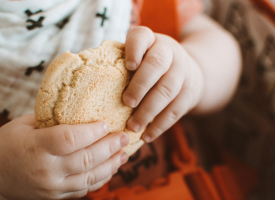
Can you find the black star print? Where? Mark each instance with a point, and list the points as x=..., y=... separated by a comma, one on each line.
x=236, y=24
x=35, y=24
x=133, y=18
x=130, y=175
x=266, y=61
x=30, y=13
x=5, y=113
x=4, y=117
x=38, y=68
x=63, y=22
x=134, y=157
x=103, y=16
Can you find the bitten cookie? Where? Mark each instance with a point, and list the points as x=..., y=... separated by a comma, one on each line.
x=87, y=87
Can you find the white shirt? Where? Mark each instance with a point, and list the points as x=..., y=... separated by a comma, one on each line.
x=33, y=33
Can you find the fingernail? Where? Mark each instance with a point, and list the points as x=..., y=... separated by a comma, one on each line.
x=105, y=128
x=147, y=138
x=134, y=125
x=129, y=100
x=123, y=158
x=131, y=65
x=124, y=140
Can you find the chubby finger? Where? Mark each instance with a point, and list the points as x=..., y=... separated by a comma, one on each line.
x=155, y=63
x=65, y=139
x=137, y=42
x=158, y=98
x=81, y=193
x=186, y=99
x=87, y=158
x=82, y=181
x=182, y=104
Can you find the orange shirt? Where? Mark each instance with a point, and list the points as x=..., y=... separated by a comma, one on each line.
x=165, y=16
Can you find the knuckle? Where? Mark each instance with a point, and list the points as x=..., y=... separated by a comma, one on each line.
x=145, y=116
x=88, y=160
x=173, y=115
x=166, y=91
x=69, y=137
x=90, y=179
x=141, y=85
x=96, y=187
x=157, y=61
x=111, y=148
x=50, y=189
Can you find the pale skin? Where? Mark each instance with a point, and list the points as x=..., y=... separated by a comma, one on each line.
x=198, y=75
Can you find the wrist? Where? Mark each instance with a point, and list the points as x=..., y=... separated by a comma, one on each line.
x=198, y=93
x=195, y=82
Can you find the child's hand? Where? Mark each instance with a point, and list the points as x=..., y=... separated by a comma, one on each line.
x=64, y=161
x=167, y=84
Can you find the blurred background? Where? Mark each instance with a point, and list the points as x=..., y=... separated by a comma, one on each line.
x=246, y=127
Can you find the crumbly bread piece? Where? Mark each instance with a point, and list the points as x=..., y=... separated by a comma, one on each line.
x=87, y=87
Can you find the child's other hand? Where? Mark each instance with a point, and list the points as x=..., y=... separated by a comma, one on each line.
x=64, y=161
x=166, y=85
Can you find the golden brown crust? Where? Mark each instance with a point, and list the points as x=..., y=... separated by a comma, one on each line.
x=85, y=88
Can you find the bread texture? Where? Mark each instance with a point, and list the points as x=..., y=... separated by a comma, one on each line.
x=85, y=88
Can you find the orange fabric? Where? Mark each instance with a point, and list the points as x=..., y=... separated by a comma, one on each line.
x=142, y=168
x=188, y=181
x=161, y=17
x=168, y=16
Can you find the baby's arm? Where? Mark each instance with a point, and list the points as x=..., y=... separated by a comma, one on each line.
x=198, y=75
x=218, y=55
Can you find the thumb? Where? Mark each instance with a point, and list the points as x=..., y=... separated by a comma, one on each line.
x=137, y=42
x=65, y=139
